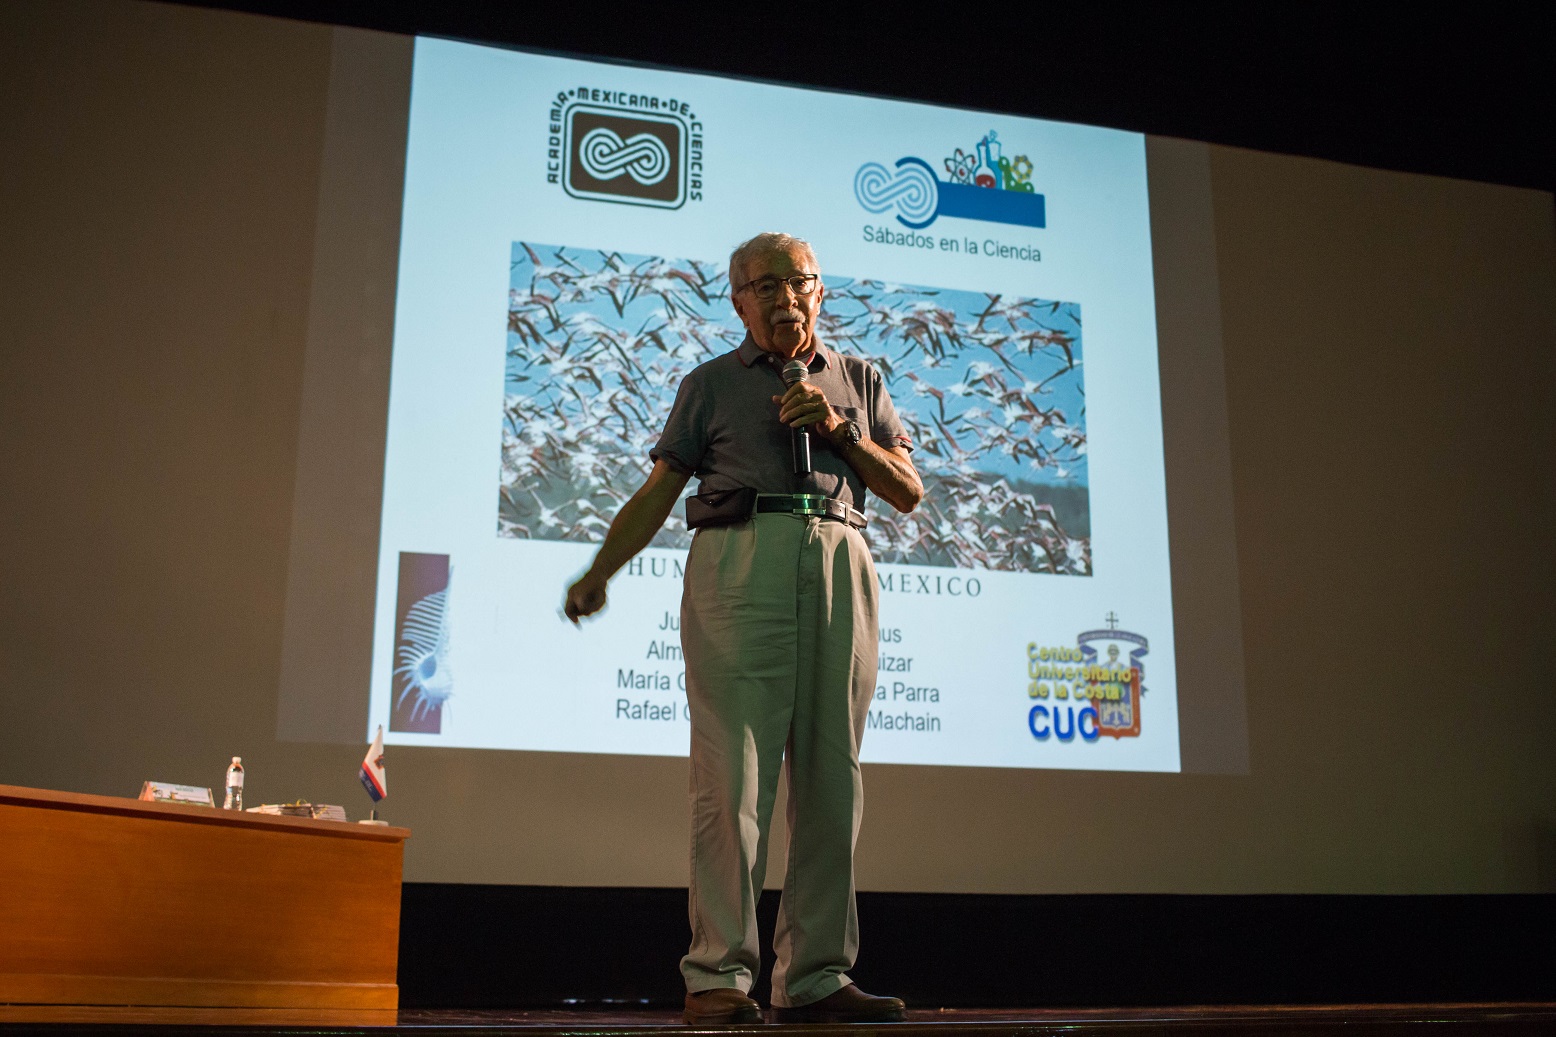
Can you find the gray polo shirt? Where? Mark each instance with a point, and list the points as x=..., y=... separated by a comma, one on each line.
x=724, y=426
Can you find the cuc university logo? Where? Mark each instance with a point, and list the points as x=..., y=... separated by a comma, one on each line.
x=1090, y=689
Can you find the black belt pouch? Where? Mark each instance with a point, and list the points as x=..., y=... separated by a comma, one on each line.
x=720, y=507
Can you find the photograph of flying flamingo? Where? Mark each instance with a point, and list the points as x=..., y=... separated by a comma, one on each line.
x=990, y=387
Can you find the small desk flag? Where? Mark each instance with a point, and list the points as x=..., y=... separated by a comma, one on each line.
x=373, y=768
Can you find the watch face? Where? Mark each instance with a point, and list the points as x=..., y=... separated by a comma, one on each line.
x=852, y=432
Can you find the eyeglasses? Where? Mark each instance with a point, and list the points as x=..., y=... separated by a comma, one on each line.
x=765, y=288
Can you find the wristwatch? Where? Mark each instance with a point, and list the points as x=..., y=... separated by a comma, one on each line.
x=847, y=434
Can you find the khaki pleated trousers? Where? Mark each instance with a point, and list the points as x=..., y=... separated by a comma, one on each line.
x=779, y=632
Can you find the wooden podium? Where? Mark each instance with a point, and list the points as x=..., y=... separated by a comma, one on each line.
x=107, y=901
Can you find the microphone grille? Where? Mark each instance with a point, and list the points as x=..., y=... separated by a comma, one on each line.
x=794, y=371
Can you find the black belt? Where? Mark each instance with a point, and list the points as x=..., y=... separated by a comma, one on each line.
x=811, y=504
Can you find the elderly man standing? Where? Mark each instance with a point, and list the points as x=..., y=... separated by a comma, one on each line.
x=778, y=631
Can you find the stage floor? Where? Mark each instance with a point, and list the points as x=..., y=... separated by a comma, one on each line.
x=1221, y=1021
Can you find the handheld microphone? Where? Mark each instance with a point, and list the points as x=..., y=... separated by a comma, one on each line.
x=795, y=371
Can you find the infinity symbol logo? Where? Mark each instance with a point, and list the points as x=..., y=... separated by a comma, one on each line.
x=913, y=189
x=606, y=156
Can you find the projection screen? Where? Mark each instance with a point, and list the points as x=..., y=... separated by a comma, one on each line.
x=566, y=228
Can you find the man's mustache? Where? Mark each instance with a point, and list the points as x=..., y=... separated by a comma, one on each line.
x=786, y=317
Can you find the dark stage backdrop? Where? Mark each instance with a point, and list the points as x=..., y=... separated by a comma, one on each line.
x=1385, y=347
x=527, y=946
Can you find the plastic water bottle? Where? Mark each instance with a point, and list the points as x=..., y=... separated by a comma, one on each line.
x=234, y=799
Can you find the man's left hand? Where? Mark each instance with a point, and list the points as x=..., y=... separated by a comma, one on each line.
x=887, y=472
x=804, y=404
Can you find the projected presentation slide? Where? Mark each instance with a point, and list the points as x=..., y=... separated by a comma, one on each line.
x=563, y=265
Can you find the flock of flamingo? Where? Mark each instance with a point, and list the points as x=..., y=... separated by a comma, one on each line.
x=989, y=386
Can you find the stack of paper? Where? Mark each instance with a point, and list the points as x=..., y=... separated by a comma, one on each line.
x=323, y=811
x=284, y=809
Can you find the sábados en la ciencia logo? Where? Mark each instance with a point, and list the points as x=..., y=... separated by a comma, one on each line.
x=984, y=185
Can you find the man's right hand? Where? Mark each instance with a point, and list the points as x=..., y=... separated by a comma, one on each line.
x=632, y=530
x=585, y=598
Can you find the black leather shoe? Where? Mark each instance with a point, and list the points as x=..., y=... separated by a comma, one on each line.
x=720, y=1006
x=848, y=1005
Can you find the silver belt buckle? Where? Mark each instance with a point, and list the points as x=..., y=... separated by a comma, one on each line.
x=810, y=504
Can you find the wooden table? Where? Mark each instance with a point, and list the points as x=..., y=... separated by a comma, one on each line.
x=107, y=901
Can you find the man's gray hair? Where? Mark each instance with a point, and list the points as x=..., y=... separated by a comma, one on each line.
x=761, y=245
